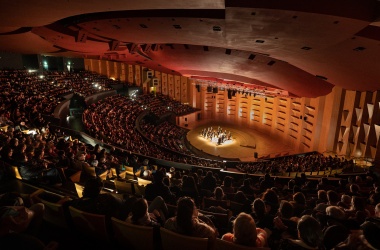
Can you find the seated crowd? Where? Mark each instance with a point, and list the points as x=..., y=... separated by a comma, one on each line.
x=272, y=217
x=313, y=162
x=266, y=212
x=113, y=120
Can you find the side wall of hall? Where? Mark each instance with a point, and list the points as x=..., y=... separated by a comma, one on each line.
x=343, y=122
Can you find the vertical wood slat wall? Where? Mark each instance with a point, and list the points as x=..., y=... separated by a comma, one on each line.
x=344, y=122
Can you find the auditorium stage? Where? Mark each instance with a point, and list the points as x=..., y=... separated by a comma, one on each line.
x=245, y=142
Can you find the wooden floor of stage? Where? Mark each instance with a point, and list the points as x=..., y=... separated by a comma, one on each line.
x=245, y=142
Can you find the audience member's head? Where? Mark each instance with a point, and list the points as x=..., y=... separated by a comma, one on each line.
x=258, y=207
x=332, y=197
x=286, y=209
x=92, y=188
x=322, y=195
x=218, y=193
x=139, y=210
x=247, y=182
x=354, y=188
x=358, y=203
x=299, y=198
x=158, y=176
x=371, y=233
x=271, y=201
x=335, y=212
x=186, y=209
x=310, y=231
x=335, y=234
x=377, y=210
x=240, y=197
x=345, y=201
x=227, y=182
x=244, y=229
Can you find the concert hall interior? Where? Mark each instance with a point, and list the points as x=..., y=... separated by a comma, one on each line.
x=259, y=89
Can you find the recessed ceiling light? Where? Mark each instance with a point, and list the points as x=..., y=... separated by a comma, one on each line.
x=321, y=77
x=251, y=57
x=216, y=28
x=359, y=48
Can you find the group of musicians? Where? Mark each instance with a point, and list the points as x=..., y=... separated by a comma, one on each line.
x=217, y=135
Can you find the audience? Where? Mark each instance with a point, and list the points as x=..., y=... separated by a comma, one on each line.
x=305, y=214
x=246, y=233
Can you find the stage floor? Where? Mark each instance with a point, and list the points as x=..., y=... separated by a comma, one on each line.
x=245, y=142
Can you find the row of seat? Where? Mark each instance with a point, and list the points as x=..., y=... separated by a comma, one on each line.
x=141, y=237
x=126, y=235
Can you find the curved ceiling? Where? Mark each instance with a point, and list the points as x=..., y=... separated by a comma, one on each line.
x=302, y=47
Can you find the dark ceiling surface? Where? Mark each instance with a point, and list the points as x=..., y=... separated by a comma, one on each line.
x=303, y=48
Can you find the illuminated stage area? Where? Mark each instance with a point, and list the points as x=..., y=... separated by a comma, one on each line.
x=214, y=141
x=216, y=135
x=243, y=144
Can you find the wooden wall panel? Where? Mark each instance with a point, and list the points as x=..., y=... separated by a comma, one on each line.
x=131, y=74
x=164, y=84
x=171, y=87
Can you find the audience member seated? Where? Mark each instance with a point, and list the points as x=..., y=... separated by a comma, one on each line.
x=188, y=223
x=20, y=225
x=284, y=223
x=158, y=188
x=95, y=202
x=310, y=235
x=266, y=183
x=246, y=233
x=299, y=204
x=246, y=187
x=227, y=185
x=209, y=182
x=271, y=201
x=259, y=214
x=153, y=215
x=240, y=197
x=189, y=188
x=34, y=172
x=325, y=185
x=332, y=200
